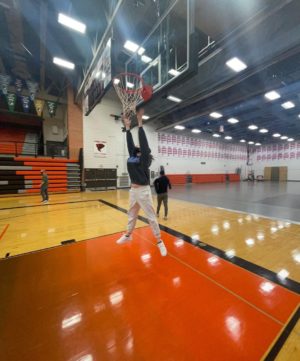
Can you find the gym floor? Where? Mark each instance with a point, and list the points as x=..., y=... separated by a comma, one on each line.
x=228, y=289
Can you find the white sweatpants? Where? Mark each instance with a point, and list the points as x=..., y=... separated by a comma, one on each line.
x=141, y=197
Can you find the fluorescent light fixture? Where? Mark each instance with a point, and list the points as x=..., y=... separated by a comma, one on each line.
x=236, y=64
x=288, y=105
x=196, y=131
x=97, y=74
x=232, y=120
x=298, y=115
x=71, y=23
x=131, y=46
x=63, y=63
x=116, y=81
x=174, y=99
x=215, y=115
x=129, y=85
x=174, y=72
x=250, y=142
x=145, y=117
x=252, y=127
x=263, y=130
x=272, y=95
x=146, y=59
x=216, y=135
x=228, y=137
x=290, y=139
x=179, y=127
x=284, y=137
x=242, y=141
x=141, y=51
x=276, y=135
x=258, y=144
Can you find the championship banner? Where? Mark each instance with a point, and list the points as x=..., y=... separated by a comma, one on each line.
x=4, y=83
x=39, y=106
x=52, y=106
x=33, y=88
x=100, y=148
x=25, y=103
x=18, y=85
x=11, y=101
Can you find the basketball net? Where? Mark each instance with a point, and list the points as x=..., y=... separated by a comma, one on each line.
x=131, y=90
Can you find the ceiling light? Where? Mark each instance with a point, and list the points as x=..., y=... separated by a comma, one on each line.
x=116, y=81
x=146, y=59
x=284, y=137
x=250, y=142
x=141, y=51
x=216, y=135
x=272, y=95
x=179, y=127
x=174, y=99
x=236, y=64
x=298, y=115
x=71, y=23
x=174, y=72
x=242, y=141
x=129, y=85
x=228, y=137
x=63, y=63
x=288, y=105
x=131, y=46
x=290, y=139
x=215, y=115
x=276, y=135
x=145, y=117
x=232, y=120
x=196, y=131
x=252, y=127
x=263, y=130
x=257, y=144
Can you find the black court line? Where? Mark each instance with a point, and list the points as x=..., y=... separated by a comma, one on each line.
x=274, y=351
x=287, y=283
x=48, y=204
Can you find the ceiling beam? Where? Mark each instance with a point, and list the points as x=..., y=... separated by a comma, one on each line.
x=43, y=35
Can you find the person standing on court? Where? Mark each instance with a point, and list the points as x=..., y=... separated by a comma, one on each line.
x=44, y=186
x=161, y=185
x=138, y=164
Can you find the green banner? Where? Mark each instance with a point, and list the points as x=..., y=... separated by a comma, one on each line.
x=52, y=106
x=11, y=101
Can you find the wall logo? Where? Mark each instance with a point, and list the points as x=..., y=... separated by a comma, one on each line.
x=100, y=148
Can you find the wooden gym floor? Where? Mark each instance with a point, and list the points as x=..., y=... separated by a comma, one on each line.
x=228, y=289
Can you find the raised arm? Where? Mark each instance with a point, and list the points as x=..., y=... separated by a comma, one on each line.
x=144, y=146
x=130, y=143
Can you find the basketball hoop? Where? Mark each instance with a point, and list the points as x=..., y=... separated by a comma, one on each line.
x=131, y=89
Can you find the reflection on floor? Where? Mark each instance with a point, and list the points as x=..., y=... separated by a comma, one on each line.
x=195, y=281
x=96, y=300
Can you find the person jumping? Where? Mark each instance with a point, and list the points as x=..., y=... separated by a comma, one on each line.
x=138, y=164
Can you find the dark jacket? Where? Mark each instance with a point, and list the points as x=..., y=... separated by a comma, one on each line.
x=161, y=184
x=138, y=167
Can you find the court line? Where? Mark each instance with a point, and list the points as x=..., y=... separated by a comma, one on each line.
x=238, y=211
x=3, y=232
x=48, y=204
x=287, y=283
x=283, y=335
x=217, y=283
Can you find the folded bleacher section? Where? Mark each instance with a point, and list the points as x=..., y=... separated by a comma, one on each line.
x=22, y=174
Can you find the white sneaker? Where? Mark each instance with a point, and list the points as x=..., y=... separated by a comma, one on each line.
x=124, y=239
x=162, y=248
x=165, y=218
